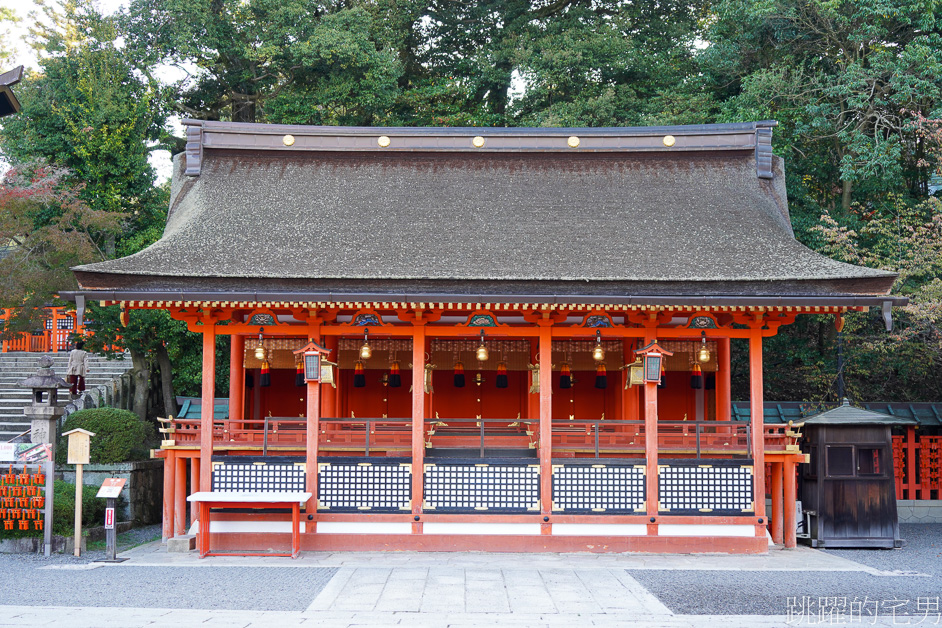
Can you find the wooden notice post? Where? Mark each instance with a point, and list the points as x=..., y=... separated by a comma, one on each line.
x=110, y=489
x=79, y=451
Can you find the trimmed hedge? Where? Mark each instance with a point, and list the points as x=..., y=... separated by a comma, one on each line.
x=63, y=509
x=120, y=436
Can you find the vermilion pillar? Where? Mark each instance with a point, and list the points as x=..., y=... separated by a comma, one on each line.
x=546, y=420
x=791, y=493
x=775, y=521
x=236, y=380
x=179, y=497
x=311, y=437
x=756, y=415
x=533, y=401
x=650, y=440
x=194, y=487
x=310, y=440
x=910, y=463
x=724, y=381
x=329, y=399
x=418, y=421
x=208, y=405
x=170, y=469
x=630, y=405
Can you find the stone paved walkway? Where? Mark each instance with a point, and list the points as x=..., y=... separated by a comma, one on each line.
x=443, y=590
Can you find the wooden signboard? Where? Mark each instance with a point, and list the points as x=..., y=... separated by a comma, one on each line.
x=79, y=445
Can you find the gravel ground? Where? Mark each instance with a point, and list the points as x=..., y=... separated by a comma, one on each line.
x=783, y=593
x=70, y=581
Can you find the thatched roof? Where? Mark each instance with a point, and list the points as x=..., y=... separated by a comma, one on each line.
x=621, y=214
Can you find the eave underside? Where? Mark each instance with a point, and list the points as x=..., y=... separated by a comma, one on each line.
x=851, y=293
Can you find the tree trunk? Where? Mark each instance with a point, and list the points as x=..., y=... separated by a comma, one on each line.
x=846, y=188
x=166, y=381
x=140, y=379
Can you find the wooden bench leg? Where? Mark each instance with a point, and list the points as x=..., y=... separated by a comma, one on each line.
x=203, y=538
x=295, y=530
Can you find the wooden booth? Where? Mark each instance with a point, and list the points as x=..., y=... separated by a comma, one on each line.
x=848, y=489
x=526, y=334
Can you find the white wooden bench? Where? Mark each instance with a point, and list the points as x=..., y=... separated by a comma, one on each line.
x=207, y=500
x=253, y=483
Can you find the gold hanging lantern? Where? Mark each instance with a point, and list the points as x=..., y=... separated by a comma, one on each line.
x=598, y=352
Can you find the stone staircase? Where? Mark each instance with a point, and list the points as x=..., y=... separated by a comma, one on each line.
x=17, y=366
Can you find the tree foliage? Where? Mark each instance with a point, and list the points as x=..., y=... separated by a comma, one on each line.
x=47, y=228
x=296, y=61
x=846, y=79
x=856, y=86
x=7, y=17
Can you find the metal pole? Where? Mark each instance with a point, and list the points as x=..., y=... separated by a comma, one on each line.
x=50, y=484
x=111, y=536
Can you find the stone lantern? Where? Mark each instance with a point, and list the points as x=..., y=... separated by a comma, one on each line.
x=44, y=412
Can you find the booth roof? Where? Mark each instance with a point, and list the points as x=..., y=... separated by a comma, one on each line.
x=846, y=414
x=614, y=221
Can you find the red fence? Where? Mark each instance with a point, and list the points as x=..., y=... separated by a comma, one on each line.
x=54, y=337
x=917, y=465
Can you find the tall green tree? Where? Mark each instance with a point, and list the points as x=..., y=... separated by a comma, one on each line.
x=847, y=80
x=90, y=110
x=298, y=61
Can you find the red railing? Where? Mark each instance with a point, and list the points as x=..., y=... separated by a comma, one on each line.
x=687, y=438
x=54, y=337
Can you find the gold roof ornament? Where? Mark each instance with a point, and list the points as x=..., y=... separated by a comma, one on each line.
x=478, y=142
x=669, y=140
x=573, y=141
x=383, y=141
x=288, y=140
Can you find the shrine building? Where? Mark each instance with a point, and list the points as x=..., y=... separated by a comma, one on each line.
x=505, y=339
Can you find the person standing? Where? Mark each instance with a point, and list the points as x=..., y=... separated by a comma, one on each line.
x=78, y=368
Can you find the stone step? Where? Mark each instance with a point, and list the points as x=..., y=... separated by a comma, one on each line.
x=15, y=367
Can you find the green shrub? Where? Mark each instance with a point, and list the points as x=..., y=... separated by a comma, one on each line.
x=120, y=435
x=63, y=509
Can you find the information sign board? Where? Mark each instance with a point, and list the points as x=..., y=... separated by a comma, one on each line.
x=111, y=487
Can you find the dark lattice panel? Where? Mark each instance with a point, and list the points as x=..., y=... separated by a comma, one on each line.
x=598, y=488
x=63, y=323
x=357, y=487
x=506, y=488
x=698, y=489
x=281, y=477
